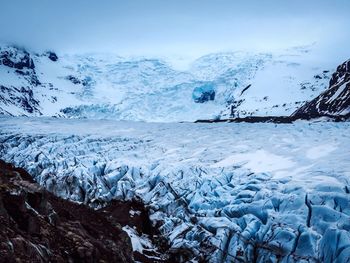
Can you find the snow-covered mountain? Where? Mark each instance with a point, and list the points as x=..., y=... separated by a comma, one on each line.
x=333, y=102
x=150, y=89
x=217, y=193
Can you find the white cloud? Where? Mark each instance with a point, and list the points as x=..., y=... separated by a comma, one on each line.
x=175, y=28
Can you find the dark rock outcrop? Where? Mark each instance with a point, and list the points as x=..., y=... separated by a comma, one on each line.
x=52, y=56
x=36, y=226
x=252, y=119
x=19, y=60
x=20, y=96
x=73, y=79
x=333, y=102
x=22, y=63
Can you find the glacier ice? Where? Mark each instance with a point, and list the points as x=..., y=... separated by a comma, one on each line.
x=203, y=93
x=150, y=89
x=203, y=190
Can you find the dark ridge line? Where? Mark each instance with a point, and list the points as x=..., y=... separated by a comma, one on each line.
x=275, y=119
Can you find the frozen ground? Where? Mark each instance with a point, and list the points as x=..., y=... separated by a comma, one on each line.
x=229, y=192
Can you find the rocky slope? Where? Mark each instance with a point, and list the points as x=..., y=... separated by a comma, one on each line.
x=37, y=226
x=333, y=102
x=20, y=64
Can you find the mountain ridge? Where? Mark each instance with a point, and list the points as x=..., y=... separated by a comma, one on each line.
x=149, y=89
x=333, y=102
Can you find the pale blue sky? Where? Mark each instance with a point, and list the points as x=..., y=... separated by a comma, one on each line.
x=181, y=27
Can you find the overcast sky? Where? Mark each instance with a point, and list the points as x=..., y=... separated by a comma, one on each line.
x=178, y=27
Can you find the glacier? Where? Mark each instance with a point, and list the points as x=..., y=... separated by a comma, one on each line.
x=222, y=192
x=151, y=89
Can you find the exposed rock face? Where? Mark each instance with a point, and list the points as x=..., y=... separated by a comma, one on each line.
x=334, y=102
x=21, y=96
x=10, y=59
x=52, y=56
x=18, y=62
x=21, y=62
x=73, y=79
x=36, y=226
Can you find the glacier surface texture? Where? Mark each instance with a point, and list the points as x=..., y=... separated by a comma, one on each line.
x=224, y=192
